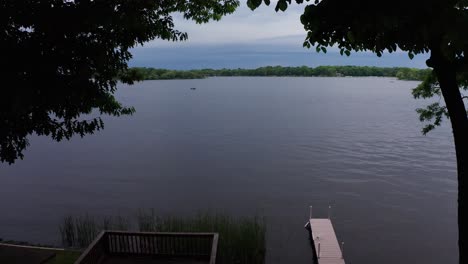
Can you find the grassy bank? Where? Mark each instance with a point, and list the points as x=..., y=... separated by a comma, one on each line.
x=241, y=240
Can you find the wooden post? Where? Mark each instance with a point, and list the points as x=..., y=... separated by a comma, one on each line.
x=318, y=254
x=342, y=250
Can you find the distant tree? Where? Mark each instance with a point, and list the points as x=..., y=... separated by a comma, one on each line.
x=437, y=27
x=139, y=73
x=61, y=58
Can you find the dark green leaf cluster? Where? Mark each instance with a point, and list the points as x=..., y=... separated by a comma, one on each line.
x=411, y=26
x=327, y=71
x=280, y=5
x=141, y=73
x=61, y=59
x=412, y=74
x=433, y=113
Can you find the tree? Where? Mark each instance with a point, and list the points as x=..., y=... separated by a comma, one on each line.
x=437, y=27
x=61, y=57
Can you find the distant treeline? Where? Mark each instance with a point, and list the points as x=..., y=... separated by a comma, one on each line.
x=304, y=71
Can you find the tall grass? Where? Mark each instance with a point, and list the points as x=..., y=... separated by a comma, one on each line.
x=241, y=240
x=80, y=231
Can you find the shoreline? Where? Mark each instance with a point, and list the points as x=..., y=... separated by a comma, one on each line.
x=400, y=73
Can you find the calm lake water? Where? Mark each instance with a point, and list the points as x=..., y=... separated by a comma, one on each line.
x=246, y=146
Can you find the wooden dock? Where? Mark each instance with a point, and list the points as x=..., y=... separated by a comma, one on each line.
x=326, y=247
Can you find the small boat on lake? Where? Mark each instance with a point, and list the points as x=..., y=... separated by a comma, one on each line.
x=193, y=88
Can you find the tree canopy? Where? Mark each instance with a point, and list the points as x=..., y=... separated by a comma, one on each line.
x=413, y=26
x=400, y=73
x=61, y=59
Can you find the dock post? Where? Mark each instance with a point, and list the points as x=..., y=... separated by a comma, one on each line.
x=318, y=254
x=310, y=212
x=329, y=211
x=342, y=250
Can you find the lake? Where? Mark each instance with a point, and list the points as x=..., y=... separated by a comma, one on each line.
x=255, y=146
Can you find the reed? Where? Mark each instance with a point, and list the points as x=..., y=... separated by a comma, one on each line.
x=241, y=240
x=80, y=231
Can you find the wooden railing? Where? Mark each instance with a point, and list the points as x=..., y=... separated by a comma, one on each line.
x=95, y=252
x=201, y=246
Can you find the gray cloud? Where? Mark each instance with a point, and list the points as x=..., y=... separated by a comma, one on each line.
x=244, y=26
x=250, y=39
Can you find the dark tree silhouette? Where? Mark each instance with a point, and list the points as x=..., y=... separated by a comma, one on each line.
x=60, y=60
x=401, y=73
x=437, y=27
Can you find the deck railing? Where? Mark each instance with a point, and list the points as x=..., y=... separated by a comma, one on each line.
x=200, y=246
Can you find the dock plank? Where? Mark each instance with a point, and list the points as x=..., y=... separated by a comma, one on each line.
x=323, y=233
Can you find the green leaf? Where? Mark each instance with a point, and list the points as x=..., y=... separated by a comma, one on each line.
x=281, y=5
x=410, y=55
x=81, y=77
x=324, y=49
x=347, y=52
x=253, y=4
x=433, y=113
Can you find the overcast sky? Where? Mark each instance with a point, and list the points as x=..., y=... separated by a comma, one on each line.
x=244, y=26
x=250, y=39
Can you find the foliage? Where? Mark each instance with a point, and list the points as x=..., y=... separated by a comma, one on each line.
x=79, y=232
x=363, y=25
x=328, y=71
x=163, y=74
x=61, y=59
x=412, y=74
x=241, y=240
x=434, y=113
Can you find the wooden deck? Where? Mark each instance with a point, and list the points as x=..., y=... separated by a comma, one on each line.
x=151, y=247
x=326, y=245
